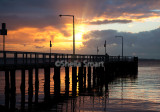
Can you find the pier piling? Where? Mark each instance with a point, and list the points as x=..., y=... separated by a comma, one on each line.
x=89, y=77
x=47, y=82
x=67, y=81
x=74, y=81
x=57, y=81
x=84, y=77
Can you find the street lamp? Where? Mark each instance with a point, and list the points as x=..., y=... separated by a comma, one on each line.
x=97, y=50
x=73, y=32
x=122, y=43
x=3, y=32
x=105, y=47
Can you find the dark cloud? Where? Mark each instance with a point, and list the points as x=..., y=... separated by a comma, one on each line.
x=41, y=13
x=143, y=44
x=109, y=22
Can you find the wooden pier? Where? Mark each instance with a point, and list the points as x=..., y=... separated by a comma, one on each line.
x=10, y=61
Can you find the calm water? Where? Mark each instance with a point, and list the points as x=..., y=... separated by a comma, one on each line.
x=141, y=93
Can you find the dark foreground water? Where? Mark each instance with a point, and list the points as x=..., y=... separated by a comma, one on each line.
x=127, y=94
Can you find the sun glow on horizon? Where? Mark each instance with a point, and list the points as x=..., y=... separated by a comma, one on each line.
x=36, y=39
x=80, y=30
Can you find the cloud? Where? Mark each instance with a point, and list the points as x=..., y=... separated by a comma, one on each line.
x=144, y=44
x=109, y=22
x=39, y=47
x=33, y=13
x=32, y=39
x=39, y=40
x=37, y=15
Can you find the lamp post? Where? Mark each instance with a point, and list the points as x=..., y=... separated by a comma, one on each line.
x=122, y=43
x=50, y=46
x=105, y=47
x=73, y=32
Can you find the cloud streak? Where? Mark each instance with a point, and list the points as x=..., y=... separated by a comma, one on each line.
x=109, y=22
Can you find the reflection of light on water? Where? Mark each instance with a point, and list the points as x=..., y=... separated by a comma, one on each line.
x=136, y=93
x=62, y=78
x=100, y=104
x=147, y=86
x=2, y=87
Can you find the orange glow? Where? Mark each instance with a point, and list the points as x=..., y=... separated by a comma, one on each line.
x=36, y=39
x=79, y=33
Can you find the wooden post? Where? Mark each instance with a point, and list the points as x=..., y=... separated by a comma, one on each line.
x=89, y=77
x=26, y=58
x=30, y=58
x=102, y=78
x=136, y=64
x=35, y=58
x=55, y=57
x=57, y=81
x=23, y=58
x=94, y=76
x=62, y=57
x=47, y=82
x=67, y=81
x=80, y=79
x=50, y=58
x=98, y=75
x=15, y=58
x=74, y=81
x=67, y=57
x=4, y=57
x=43, y=58
x=84, y=75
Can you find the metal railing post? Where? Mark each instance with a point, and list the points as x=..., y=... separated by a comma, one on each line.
x=15, y=58
x=4, y=57
x=26, y=58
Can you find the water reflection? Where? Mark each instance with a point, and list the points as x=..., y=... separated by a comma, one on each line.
x=22, y=89
x=70, y=89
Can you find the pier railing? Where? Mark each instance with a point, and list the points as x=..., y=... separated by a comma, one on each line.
x=29, y=58
x=120, y=58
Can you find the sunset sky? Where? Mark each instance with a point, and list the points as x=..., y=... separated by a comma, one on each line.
x=32, y=24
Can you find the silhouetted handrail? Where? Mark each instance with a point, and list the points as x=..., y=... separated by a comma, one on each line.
x=23, y=58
